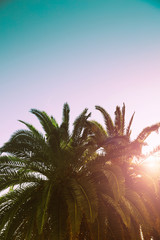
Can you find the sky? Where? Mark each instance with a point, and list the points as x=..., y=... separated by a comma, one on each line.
x=84, y=52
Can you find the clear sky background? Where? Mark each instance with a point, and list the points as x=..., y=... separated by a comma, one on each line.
x=84, y=52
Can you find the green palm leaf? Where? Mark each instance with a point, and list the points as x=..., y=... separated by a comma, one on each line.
x=108, y=121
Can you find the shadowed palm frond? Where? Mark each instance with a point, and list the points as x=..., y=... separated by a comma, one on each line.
x=108, y=121
x=64, y=127
x=118, y=121
x=79, y=125
x=128, y=130
x=147, y=131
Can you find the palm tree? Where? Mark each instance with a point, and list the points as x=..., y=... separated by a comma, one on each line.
x=52, y=196
x=139, y=207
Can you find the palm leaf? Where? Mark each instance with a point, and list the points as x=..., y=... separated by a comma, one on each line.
x=108, y=121
x=128, y=131
x=64, y=127
x=147, y=131
x=33, y=130
x=116, y=207
x=116, y=181
x=42, y=208
x=118, y=121
x=123, y=120
x=49, y=124
x=79, y=125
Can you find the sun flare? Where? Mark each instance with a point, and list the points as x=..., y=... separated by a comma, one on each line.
x=152, y=162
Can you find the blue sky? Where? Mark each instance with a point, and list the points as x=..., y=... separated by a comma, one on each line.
x=86, y=53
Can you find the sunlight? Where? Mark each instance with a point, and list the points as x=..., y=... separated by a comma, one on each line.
x=151, y=166
x=2, y=193
x=152, y=162
x=152, y=142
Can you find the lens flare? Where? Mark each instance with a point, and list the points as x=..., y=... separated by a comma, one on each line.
x=152, y=162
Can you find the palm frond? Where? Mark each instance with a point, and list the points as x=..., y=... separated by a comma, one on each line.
x=116, y=181
x=22, y=143
x=128, y=130
x=79, y=125
x=98, y=134
x=123, y=119
x=12, y=177
x=42, y=208
x=136, y=200
x=64, y=127
x=35, y=132
x=74, y=210
x=11, y=203
x=113, y=204
x=49, y=124
x=118, y=121
x=85, y=194
x=147, y=131
x=108, y=121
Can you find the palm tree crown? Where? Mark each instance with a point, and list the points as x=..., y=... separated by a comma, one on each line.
x=48, y=172
x=115, y=138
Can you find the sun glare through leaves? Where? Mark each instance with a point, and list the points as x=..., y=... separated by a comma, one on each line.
x=152, y=156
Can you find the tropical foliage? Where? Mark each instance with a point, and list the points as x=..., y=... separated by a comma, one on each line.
x=81, y=185
x=139, y=197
